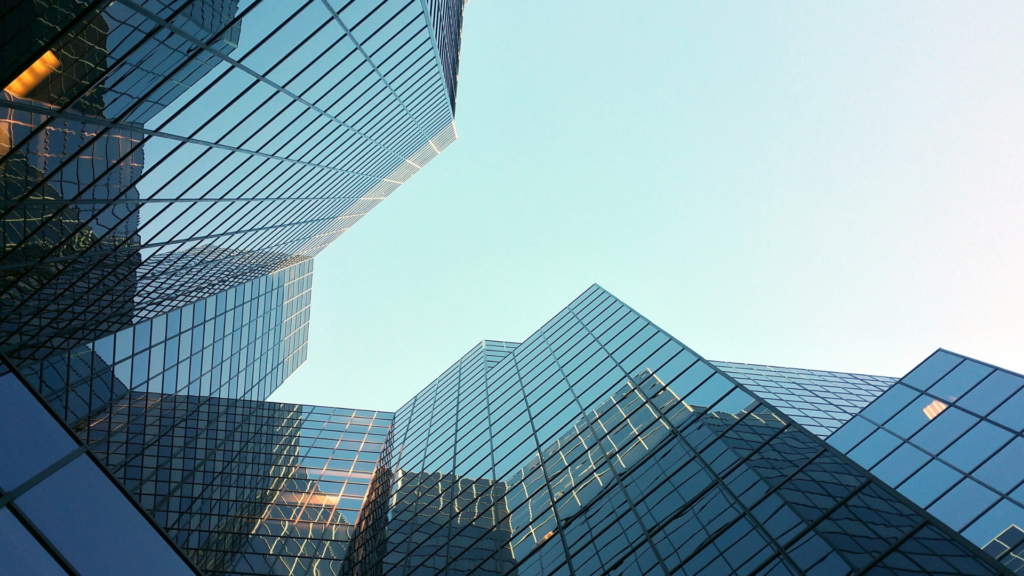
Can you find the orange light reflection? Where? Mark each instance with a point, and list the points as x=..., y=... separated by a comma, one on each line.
x=934, y=409
x=34, y=75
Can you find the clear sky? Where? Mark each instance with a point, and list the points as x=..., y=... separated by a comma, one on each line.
x=813, y=184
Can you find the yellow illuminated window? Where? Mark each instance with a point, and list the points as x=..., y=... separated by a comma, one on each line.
x=36, y=73
x=934, y=409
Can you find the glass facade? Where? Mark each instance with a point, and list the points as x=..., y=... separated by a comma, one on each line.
x=241, y=344
x=190, y=484
x=603, y=445
x=61, y=511
x=245, y=487
x=821, y=401
x=156, y=152
x=169, y=168
x=948, y=436
x=599, y=445
x=157, y=400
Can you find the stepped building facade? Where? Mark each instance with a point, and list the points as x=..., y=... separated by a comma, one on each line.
x=171, y=167
x=600, y=444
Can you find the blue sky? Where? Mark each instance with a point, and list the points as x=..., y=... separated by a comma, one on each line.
x=822, y=185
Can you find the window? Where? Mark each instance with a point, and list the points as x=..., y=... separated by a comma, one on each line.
x=963, y=504
x=21, y=553
x=929, y=483
x=95, y=527
x=30, y=439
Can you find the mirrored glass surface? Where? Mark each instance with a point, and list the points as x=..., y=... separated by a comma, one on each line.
x=95, y=527
x=30, y=439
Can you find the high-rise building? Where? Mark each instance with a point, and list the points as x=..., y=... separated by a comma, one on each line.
x=600, y=444
x=153, y=153
x=170, y=168
x=948, y=436
x=819, y=400
x=603, y=445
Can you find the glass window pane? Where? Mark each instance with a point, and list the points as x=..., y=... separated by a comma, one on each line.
x=95, y=527
x=888, y=404
x=1006, y=469
x=963, y=504
x=900, y=464
x=1011, y=413
x=849, y=435
x=876, y=447
x=991, y=392
x=929, y=482
x=1004, y=519
x=943, y=430
x=30, y=439
x=915, y=416
x=929, y=372
x=975, y=446
x=20, y=553
x=955, y=384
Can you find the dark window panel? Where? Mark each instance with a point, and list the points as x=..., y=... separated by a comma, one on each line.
x=21, y=553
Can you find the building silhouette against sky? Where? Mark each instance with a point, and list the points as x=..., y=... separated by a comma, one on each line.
x=169, y=171
x=155, y=153
x=600, y=444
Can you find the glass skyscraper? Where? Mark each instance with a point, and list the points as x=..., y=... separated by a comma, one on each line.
x=948, y=436
x=171, y=167
x=819, y=400
x=603, y=445
x=600, y=444
x=153, y=153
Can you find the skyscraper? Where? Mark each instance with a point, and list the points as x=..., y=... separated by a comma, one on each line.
x=608, y=446
x=155, y=153
x=598, y=445
x=170, y=168
x=168, y=171
x=948, y=437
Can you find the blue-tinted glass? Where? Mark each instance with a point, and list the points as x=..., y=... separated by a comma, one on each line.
x=736, y=401
x=975, y=446
x=689, y=379
x=963, y=504
x=888, y=404
x=142, y=335
x=994, y=522
x=955, y=384
x=95, y=527
x=929, y=372
x=900, y=464
x=20, y=553
x=159, y=328
x=1011, y=413
x=105, y=349
x=710, y=392
x=1018, y=494
x=124, y=344
x=929, y=482
x=849, y=435
x=913, y=417
x=876, y=447
x=1006, y=469
x=943, y=430
x=30, y=439
x=991, y=392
